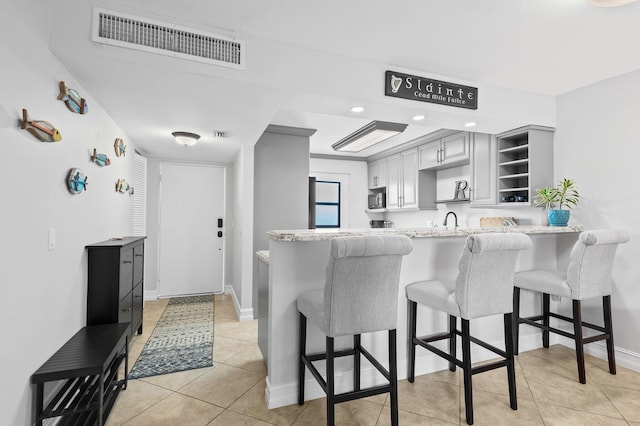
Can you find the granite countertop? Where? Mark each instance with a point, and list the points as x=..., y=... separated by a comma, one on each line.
x=263, y=255
x=327, y=234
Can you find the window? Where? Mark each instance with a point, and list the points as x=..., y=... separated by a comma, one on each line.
x=327, y=204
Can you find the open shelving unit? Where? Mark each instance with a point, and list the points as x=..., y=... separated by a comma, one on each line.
x=525, y=162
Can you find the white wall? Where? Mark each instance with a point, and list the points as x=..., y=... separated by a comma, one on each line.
x=44, y=292
x=241, y=278
x=353, y=178
x=596, y=143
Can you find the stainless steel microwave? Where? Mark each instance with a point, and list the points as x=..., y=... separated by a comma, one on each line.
x=377, y=200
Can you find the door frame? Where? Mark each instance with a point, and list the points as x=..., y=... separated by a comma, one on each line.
x=224, y=227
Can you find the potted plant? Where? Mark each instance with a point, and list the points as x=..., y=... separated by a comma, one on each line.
x=564, y=194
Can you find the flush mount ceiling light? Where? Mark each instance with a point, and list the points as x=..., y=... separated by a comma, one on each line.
x=469, y=124
x=371, y=134
x=357, y=109
x=186, y=138
x=609, y=3
x=418, y=117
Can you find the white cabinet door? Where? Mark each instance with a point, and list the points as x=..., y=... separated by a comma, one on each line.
x=483, y=169
x=429, y=155
x=376, y=172
x=393, y=181
x=455, y=148
x=409, y=184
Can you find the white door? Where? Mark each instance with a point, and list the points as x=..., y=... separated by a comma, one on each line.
x=191, y=252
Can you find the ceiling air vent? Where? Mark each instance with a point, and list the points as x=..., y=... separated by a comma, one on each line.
x=144, y=34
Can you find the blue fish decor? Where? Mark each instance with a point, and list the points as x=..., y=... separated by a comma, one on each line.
x=123, y=187
x=120, y=147
x=100, y=159
x=42, y=130
x=72, y=99
x=77, y=181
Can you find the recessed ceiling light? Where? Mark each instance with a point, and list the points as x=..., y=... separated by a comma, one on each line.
x=357, y=109
x=469, y=124
x=418, y=117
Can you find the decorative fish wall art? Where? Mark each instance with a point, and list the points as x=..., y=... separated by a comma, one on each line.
x=72, y=99
x=100, y=159
x=42, y=130
x=123, y=187
x=77, y=181
x=120, y=147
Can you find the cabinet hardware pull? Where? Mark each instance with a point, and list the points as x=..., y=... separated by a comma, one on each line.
x=138, y=255
x=126, y=261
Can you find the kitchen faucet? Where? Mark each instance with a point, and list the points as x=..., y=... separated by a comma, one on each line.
x=447, y=216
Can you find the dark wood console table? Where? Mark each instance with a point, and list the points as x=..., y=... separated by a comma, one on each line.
x=89, y=363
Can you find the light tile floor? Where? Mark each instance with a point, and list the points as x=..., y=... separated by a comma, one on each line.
x=232, y=391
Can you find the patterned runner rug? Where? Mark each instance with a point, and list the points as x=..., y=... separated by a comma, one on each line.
x=182, y=339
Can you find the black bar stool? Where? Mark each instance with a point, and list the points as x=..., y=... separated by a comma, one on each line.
x=484, y=287
x=588, y=276
x=360, y=296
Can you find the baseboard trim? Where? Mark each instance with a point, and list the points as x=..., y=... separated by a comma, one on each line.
x=245, y=314
x=624, y=357
x=151, y=295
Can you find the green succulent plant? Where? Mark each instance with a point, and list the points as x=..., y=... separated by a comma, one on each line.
x=564, y=194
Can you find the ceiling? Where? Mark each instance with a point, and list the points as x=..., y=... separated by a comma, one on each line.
x=546, y=47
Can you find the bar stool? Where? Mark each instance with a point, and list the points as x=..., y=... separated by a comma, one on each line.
x=484, y=287
x=588, y=276
x=360, y=296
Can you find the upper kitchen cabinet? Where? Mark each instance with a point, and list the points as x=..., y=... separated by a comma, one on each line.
x=407, y=188
x=377, y=174
x=452, y=150
x=525, y=162
x=483, y=149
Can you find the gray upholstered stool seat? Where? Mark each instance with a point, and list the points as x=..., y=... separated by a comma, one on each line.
x=360, y=296
x=588, y=276
x=483, y=287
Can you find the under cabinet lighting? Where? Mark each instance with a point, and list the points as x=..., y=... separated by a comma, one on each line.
x=371, y=134
x=609, y=3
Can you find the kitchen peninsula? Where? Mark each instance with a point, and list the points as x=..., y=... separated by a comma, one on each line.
x=297, y=261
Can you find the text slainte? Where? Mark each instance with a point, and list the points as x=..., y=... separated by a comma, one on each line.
x=428, y=90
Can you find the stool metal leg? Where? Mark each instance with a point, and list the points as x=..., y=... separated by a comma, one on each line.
x=302, y=347
x=516, y=319
x=412, y=308
x=452, y=340
x=393, y=377
x=577, y=332
x=466, y=365
x=356, y=362
x=511, y=372
x=608, y=326
x=330, y=383
x=545, y=319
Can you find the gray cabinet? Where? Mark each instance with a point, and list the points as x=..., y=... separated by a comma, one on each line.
x=524, y=163
x=376, y=174
x=449, y=151
x=407, y=187
x=483, y=169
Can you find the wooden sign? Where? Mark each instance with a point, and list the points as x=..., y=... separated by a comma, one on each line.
x=399, y=85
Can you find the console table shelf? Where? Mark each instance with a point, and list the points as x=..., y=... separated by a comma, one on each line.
x=89, y=364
